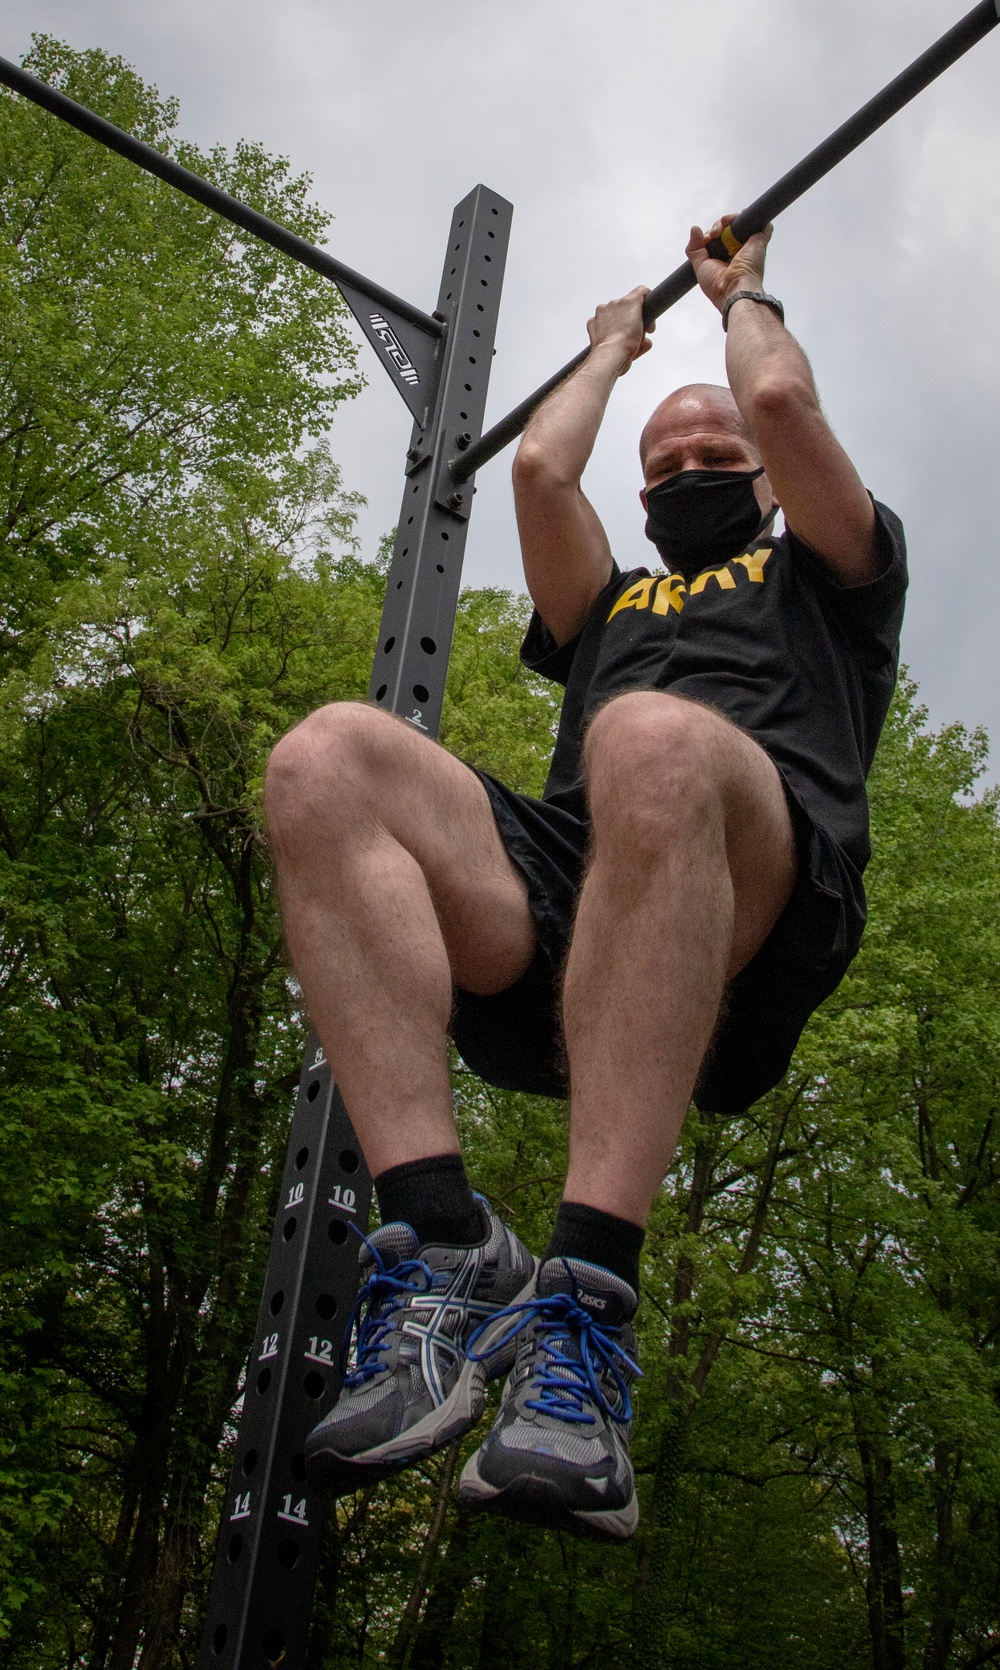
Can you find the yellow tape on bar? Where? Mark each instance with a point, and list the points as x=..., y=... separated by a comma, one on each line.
x=731, y=244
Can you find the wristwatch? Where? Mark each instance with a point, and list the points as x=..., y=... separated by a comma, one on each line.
x=752, y=296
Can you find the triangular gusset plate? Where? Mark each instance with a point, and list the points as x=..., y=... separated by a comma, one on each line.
x=406, y=351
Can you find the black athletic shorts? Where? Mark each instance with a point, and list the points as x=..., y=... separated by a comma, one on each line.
x=513, y=1039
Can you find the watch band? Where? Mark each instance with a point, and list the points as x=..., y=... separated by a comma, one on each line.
x=752, y=296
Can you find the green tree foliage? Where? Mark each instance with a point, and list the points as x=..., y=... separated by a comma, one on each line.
x=819, y=1426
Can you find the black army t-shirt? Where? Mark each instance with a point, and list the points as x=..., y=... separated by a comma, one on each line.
x=804, y=665
x=807, y=668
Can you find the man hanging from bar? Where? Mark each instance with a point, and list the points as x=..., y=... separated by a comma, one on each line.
x=658, y=928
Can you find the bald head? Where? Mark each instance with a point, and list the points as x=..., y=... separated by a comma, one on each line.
x=700, y=420
x=700, y=427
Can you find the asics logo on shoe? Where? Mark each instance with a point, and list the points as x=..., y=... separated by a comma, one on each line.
x=593, y=1301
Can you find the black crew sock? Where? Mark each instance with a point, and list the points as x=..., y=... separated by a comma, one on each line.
x=600, y=1238
x=434, y=1198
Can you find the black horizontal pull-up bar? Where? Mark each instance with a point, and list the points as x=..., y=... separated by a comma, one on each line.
x=154, y=162
x=791, y=186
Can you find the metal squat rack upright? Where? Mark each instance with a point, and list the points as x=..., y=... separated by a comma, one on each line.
x=269, y=1542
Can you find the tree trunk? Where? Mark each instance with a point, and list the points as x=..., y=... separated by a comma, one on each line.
x=327, y=1591
x=653, y=1561
x=685, y=1385
x=161, y=1633
x=946, y=1584
x=140, y=1574
x=884, y=1589
x=151, y=1458
x=197, y=1378
x=498, y=1638
x=454, y=1575
x=111, y=1596
x=407, y=1627
x=653, y=1570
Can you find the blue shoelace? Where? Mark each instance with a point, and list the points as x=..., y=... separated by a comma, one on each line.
x=374, y=1314
x=566, y=1384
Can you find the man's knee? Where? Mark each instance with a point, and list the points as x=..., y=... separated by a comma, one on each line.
x=331, y=761
x=651, y=761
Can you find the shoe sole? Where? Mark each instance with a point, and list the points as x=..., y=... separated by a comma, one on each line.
x=339, y=1475
x=531, y=1500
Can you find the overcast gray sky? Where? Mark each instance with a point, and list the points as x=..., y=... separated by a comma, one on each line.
x=611, y=128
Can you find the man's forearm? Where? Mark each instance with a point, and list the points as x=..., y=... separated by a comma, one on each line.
x=764, y=362
x=560, y=437
x=813, y=479
x=567, y=558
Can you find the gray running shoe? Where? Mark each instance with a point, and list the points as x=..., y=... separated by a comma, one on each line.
x=557, y=1453
x=410, y=1387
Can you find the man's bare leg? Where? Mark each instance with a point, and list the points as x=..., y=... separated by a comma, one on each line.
x=693, y=862
x=394, y=884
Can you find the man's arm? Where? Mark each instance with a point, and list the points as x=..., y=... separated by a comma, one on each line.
x=567, y=558
x=823, y=497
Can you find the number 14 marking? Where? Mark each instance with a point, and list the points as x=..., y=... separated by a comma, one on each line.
x=296, y=1515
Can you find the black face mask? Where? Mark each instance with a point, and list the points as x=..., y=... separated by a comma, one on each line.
x=701, y=517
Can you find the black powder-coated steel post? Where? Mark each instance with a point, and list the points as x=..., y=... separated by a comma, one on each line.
x=272, y=1524
x=269, y=1539
x=852, y=133
x=415, y=635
